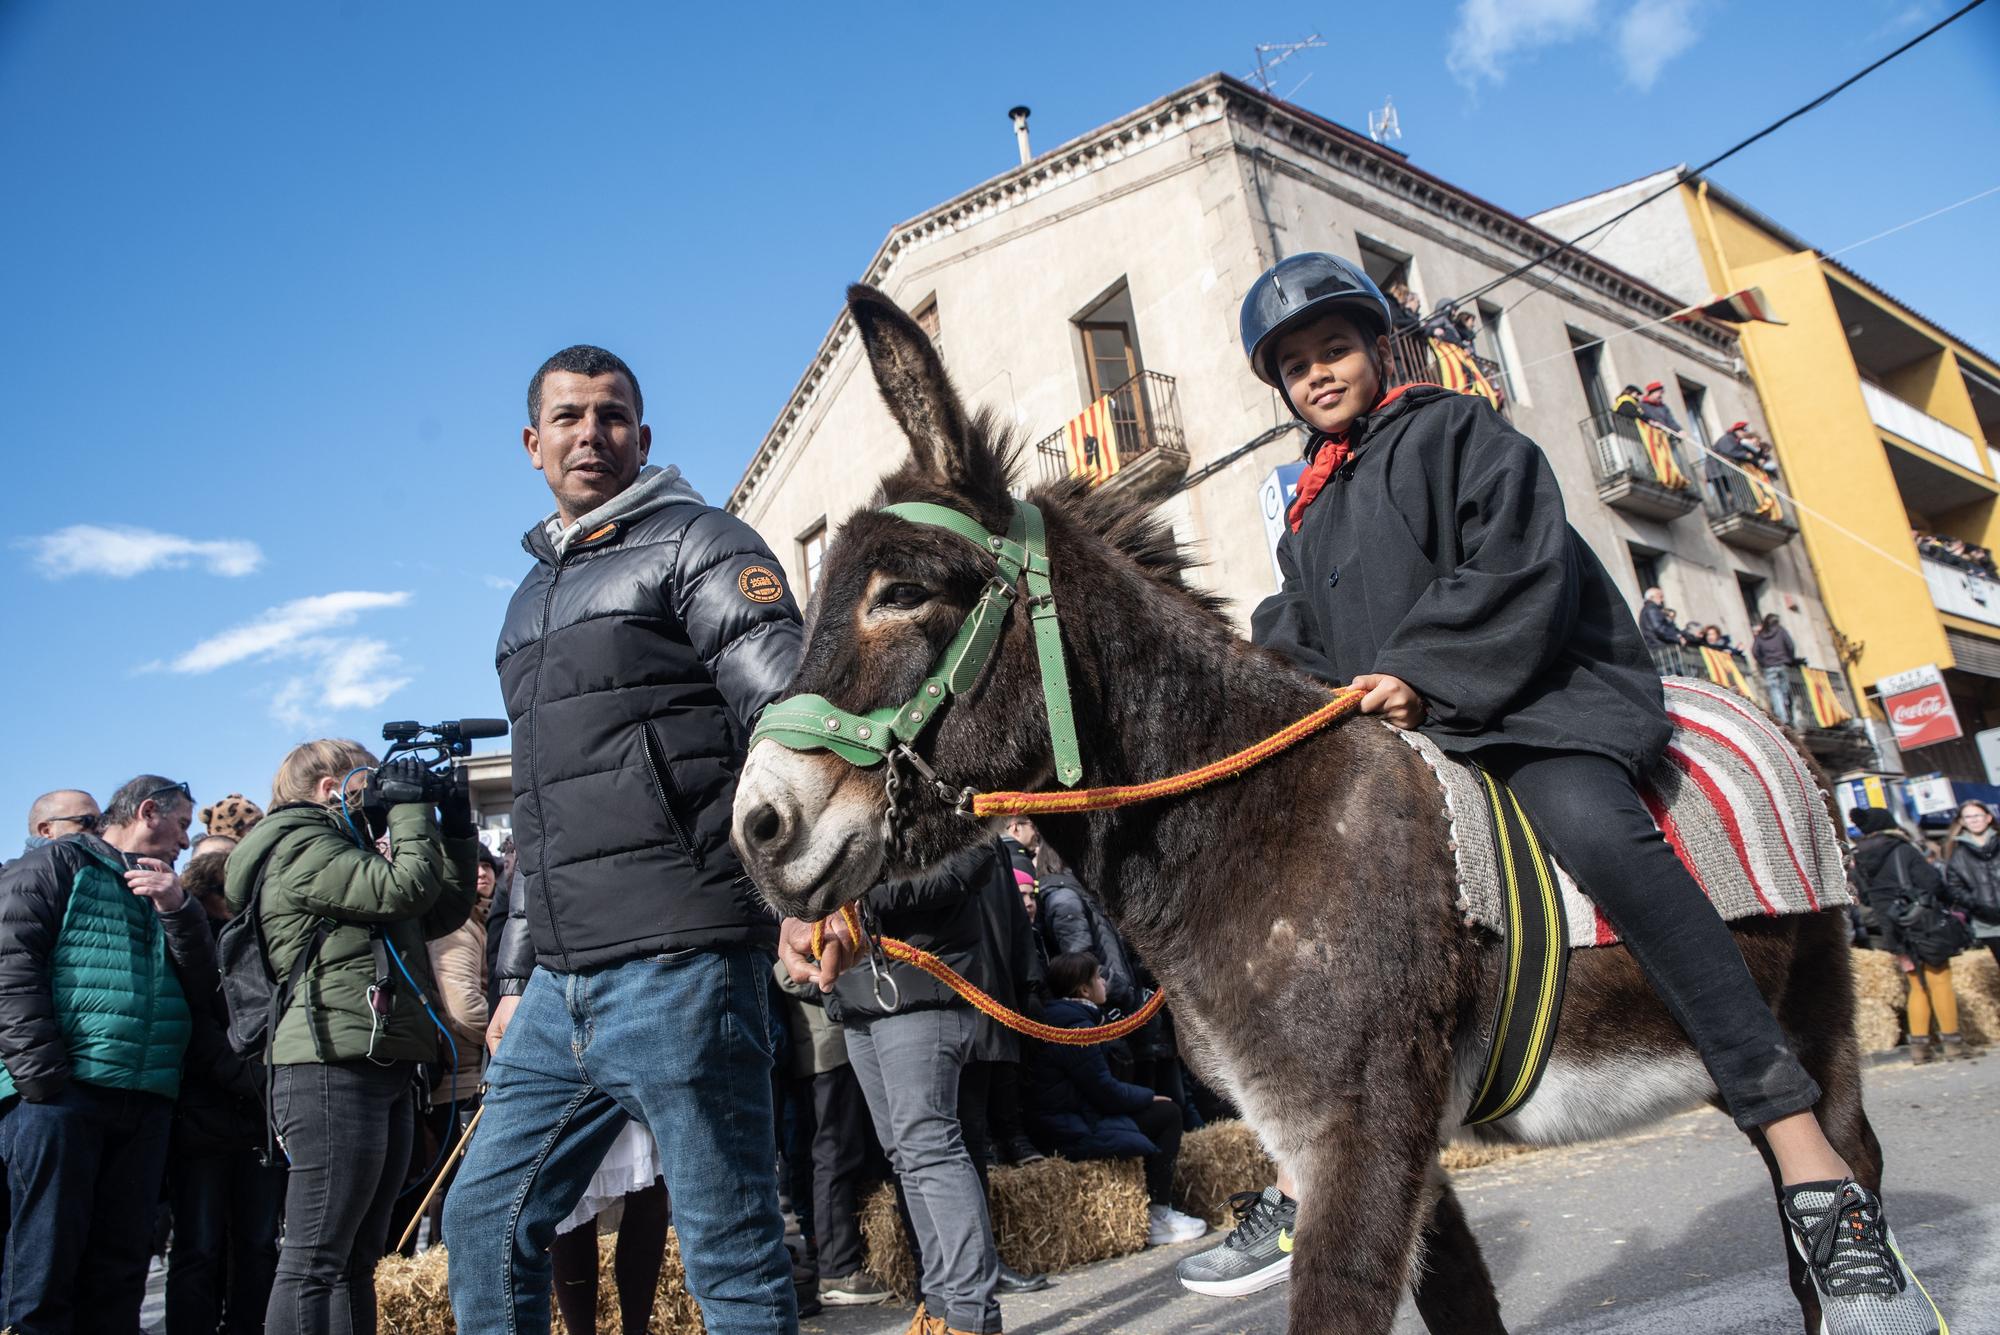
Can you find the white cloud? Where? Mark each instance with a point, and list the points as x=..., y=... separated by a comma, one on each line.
x=1652, y=33
x=283, y=631
x=1491, y=35
x=338, y=672
x=121, y=552
x=1489, y=32
x=501, y=583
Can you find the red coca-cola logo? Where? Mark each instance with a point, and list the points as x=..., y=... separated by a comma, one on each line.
x=1913, y=712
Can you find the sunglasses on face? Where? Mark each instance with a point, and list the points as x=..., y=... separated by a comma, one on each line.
x=87, y=822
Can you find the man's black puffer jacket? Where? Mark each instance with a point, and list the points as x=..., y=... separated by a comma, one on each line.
x=634, y=665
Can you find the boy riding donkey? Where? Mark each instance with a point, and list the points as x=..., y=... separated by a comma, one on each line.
x=1429, y=562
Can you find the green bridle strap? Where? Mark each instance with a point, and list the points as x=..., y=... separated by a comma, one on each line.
x=812, y=722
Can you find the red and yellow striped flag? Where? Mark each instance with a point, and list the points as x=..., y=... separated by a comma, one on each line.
x=1660, y=450
x=1091, y=438
x=1764, y=493
x=1722, y=670
x=1457, y=370
x=1827, y=710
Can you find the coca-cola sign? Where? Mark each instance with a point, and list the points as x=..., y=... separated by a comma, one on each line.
x=1922, y=717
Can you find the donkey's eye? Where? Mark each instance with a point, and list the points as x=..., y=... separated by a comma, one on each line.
x=903, y=596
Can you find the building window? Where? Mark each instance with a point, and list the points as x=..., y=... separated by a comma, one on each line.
x=927, y=320
x=1390, y=268
x=1646, y=565
x=1588, y=350
x=1752, y=589
x=1695, y=399
x=812, y=550
x=1493, y=344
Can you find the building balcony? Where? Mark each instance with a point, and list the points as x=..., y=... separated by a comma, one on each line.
x=1908, y=422
x=1744, y=512
x=1821, y=704
x=1415, y=358
x=1639, y=467
x=1962, y=593
x=1130, y=437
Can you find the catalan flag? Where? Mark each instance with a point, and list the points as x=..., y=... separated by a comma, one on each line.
x=1091, y=439
x=1457, y=370
x=1722, y=670
x=1763, y=493
x=1739, y=307
x=1827, y=710
x=1660, y=450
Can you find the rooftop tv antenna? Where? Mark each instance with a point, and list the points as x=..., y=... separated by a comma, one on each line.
x=1270, y=55
x=1383, y=125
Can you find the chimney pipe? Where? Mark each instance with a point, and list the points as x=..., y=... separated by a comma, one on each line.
x=1020, y=115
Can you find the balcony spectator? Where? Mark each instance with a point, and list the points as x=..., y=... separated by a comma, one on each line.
x=60, y=815
x=1741, y=445
x=100, y=950
x=227, y=1201
x=1775, y=656
x=1714, y=637
x=1629, y=402
x=1653, y=407
x=1656, y=621
x=1405, y=306
x=1449, y=324
x=1082, y=1111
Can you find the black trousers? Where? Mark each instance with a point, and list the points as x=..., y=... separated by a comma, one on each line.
x=1162, y=1124
x=346, y=1128
x=845, y=1160
x=1588, y=809
x=227, y=1203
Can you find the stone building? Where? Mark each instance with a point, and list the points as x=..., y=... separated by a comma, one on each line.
x=1091, y=296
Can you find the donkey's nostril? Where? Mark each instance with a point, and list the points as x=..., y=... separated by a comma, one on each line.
x=763, y=826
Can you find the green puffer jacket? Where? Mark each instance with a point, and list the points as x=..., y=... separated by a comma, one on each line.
x=423, y=890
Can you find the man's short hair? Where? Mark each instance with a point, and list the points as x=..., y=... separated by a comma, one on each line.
x=123, y=808
x=583, y=359
x=55, y=804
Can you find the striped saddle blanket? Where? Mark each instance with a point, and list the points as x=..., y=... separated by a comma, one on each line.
x=1734, y=799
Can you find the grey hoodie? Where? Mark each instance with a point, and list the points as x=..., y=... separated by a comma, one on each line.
x=653, y=489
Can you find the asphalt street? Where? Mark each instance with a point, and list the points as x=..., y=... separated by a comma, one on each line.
x=1670, y=1230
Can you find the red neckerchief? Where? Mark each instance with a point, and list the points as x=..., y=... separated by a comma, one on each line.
x=1332, y=453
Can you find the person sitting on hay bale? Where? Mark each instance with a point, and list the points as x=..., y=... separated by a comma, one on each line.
x=1082, y=1111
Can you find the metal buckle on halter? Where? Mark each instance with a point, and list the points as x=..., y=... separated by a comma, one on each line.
x=878, y=966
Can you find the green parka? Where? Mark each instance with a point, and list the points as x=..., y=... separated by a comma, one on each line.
x=317, y=873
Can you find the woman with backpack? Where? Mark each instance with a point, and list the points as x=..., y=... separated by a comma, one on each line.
x=363, y=1012
x=1972, y=875
x=1906, y=895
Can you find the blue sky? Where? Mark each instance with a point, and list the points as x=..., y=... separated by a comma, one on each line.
x=276, y=275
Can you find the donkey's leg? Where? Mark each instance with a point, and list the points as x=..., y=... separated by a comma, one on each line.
x=1362, y=1197
x=1454, y=1293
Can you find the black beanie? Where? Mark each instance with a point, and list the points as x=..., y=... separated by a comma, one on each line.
x=1872, y=820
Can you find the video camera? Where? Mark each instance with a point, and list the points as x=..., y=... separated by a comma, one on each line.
x=438, y=744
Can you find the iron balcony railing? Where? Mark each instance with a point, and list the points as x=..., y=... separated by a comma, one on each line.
x=1414, y=358
x=1144, y=418
x=1835, y=714
x=1730, y=494
x=1622, y=452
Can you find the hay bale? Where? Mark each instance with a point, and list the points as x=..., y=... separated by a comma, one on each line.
x=1217, y=1161
x=1976, y=979
x=1457, y=1158
x=1881, y=1008
x=1050, y=1215
x=412, y=1297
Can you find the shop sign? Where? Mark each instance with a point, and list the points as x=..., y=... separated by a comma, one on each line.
x=1919, y=708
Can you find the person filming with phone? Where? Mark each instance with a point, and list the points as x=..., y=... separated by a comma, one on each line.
x=100, y=949
x=344, y=928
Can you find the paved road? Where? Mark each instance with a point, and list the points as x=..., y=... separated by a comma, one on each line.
x=1673, y=1230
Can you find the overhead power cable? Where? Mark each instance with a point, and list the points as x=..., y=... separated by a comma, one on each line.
x=1723, y=156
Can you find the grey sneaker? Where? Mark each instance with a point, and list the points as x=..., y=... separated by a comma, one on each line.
x=859, y=1289
x=1863, y=1284
x=1255, y=1255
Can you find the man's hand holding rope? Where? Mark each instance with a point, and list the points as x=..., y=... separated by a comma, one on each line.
x=838, y=949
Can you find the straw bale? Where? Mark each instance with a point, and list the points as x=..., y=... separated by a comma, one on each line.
x=1457, y=1158
x=1050, y=1215
x=411, y=1296
x=1217, y=1161
x=1881, y=1009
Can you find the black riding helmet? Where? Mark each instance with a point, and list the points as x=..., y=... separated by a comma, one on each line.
x=1300, y=288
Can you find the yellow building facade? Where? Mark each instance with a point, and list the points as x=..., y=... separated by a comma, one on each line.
x=1885, y=426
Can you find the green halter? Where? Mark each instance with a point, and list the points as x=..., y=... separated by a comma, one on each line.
x=814, y=723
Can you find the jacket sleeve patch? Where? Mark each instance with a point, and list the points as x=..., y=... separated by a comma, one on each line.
x=760, y=584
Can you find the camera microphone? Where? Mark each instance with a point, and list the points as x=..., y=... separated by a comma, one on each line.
x=472, y=729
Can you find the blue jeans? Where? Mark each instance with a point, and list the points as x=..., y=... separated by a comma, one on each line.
x=679, y=1041
x=83, y=1172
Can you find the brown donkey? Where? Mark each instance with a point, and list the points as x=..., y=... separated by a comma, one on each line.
x=1302, y=917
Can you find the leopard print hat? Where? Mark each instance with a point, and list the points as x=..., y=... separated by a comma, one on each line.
x=233, y=816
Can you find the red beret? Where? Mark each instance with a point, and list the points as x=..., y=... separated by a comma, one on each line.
x=1653, y=385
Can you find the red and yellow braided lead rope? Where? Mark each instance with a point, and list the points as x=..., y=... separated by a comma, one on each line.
x=1090, y=799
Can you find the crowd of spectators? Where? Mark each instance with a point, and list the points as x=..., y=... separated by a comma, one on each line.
x=1955, y=552
x=1661, y=627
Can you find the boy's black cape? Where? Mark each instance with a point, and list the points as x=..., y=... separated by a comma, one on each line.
x=1440, y=554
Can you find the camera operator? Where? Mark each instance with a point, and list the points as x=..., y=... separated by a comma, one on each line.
x=362, y=1015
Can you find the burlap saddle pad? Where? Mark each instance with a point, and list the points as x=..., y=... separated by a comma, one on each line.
x=1735, y=800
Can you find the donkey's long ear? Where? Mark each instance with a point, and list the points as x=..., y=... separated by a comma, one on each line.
x=913, y=384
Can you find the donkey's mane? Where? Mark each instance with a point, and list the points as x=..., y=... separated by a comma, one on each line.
x=993, y=449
